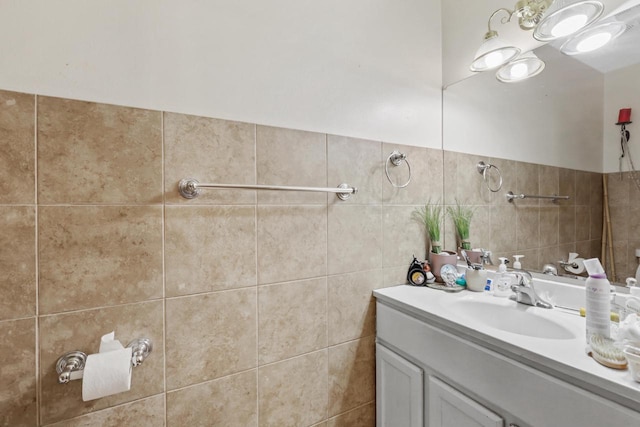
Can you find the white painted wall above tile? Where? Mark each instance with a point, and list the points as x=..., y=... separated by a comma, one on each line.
x=363, y=68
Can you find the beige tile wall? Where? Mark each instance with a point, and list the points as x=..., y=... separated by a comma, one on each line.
x=624, y=207
x=259, y=305
x=543, y=231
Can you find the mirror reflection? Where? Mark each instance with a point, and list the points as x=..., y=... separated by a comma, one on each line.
x=553, y=134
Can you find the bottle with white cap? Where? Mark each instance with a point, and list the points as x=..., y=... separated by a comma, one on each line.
x=598, y=301
x=516, y=264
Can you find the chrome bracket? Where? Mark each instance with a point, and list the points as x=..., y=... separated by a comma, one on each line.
x=140, y=349
x=70, y=363
x=188, y=188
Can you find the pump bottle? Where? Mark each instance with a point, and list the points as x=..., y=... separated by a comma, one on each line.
x=598, y=301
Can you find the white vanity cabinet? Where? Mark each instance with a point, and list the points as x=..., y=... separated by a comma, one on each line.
x=430, y=376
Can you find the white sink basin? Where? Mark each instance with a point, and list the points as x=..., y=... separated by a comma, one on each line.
x=510, y=316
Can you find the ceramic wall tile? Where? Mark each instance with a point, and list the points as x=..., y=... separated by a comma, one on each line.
x=215, y=332
x=352, y=369
x=98, y=153
x=480, y=230
x=291, y=157
x=351, y=305
x=583, y=187
x=17, y=261
x=211, y=151
x=503, y=229
x=634, y=192
x=209, y=248
x=549, y=223
x=426, y=176
x=292, y=243
x=18, y=391
x=596, y=222
x=527, y=182
x=17, y=145
x=508, y=169
x=619, y=223
x=618, y=189
x=364, y=416
x=352, y=229
x=583, y=223
x=292, y=319
x=94, y=256
x=403, y=236
x=596, y=189
x=82, y=330
x=549, y=180
x=567, y=186
x=567, y=227
x=294, y=391
x=471, y=188
x=230, y=401
x=143, y=413
x=621, y=261
x=355, y=162
x=395, y=275
x=528, y=227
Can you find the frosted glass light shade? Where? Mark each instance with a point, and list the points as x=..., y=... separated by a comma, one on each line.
x=566, y=17
x=593, y=38
x=493, y=53
x=525, y=66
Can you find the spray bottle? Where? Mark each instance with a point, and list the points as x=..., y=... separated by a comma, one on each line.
x=598, y=301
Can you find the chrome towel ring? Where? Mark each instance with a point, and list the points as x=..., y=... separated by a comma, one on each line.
x=396, y=158
x=482, y=169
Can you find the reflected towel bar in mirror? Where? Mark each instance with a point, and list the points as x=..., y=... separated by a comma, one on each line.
x=189, y=188
x=553, y=198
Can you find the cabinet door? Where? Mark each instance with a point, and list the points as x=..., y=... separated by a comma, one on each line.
x=450, y=408
x=399, y=391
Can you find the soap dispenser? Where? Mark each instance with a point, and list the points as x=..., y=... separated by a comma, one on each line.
x=516, y=264
x=502, y=287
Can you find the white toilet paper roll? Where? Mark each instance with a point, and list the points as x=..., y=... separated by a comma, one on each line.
x=106, y=374
x=577, y=270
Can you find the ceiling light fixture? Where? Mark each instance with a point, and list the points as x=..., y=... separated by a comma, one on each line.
x=593, y=38
x=493, y=52
x=566, y=17
x=523, y=67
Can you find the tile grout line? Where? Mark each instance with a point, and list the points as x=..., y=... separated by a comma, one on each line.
x=255, y=233
x=164, y=270
x=326, y=271
x=37, y=262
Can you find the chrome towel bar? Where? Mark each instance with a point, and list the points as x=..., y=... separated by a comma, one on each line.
x=554, y=198
x=189, y=188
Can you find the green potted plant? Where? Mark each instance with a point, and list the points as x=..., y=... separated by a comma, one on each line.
x=461, y=216
x=431, y=217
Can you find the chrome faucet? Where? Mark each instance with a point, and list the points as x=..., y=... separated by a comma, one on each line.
x=486, y=257
x=524, y=292
x=550, y=269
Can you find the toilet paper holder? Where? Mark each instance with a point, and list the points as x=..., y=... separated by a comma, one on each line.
x=70, y=366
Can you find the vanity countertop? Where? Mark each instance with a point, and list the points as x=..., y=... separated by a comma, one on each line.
x=564, y=359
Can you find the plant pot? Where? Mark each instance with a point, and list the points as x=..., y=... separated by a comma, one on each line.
x=438, y=260
x=474, y=256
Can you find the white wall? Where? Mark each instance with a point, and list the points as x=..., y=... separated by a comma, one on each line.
x=621, y=90
x=553, y=119
x=364, y=68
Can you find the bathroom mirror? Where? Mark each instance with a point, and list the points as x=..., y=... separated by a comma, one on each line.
x=564, y=117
